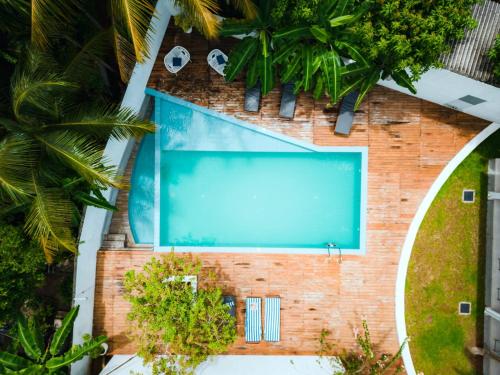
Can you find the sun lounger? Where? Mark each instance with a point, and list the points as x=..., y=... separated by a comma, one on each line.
x=346, y=114
x=288, y=98
x=253, y=324
x=252, y=98
x=217, y=60
x=176, y=59
x=231, y=302
x=272, y=319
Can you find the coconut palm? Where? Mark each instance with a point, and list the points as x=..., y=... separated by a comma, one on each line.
x=51, y=152
x=39, y=357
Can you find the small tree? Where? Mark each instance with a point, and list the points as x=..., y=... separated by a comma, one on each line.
x=364, y=361
x=175, y=327
x=40, y=357
x=22, y=267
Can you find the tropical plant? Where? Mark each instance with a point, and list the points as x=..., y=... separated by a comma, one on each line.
x=308, y=54
x=175, y=327
x=51, y=143
x=41, y=357
x=411, y=36
x=22, y=267
x=364, y=361
x=494, y=55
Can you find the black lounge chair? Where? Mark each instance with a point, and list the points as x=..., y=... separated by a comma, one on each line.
x=346, y=114
x=231, y=302
x=252, y=98
x=288, y=98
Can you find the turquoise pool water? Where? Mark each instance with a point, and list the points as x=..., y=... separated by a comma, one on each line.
x=208, y=181
x=260, y=199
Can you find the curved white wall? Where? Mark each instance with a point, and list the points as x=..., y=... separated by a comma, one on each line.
x=412, y=234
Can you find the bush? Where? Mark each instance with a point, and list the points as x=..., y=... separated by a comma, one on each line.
x=22, y=266
x=168, y=318
x=412, y=35
x=494, y=55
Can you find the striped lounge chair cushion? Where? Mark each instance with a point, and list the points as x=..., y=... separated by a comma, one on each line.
x=272, y=322
x=253, y=324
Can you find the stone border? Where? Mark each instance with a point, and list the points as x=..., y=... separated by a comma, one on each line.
x=412, y=234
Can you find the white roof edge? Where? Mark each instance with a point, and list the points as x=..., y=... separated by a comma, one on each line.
x=96, y=221
x=235, y=364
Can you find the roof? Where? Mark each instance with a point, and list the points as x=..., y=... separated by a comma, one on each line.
x=469, y=55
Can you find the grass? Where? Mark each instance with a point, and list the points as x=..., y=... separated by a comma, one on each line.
x=446, y=267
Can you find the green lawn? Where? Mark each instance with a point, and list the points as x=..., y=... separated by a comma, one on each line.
x=446, y=267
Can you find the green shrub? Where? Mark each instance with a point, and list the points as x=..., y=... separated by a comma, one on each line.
x=494, y=55
x=412, y=35
x=168, y=318
x=22, y=266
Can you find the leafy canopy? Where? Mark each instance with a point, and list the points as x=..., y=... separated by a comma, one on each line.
x=334, y=47
x=22, y=267
x=39, y=357
x=168, y=318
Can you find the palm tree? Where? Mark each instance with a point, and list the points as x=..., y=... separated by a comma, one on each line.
x=42, y=358
x=51, y=152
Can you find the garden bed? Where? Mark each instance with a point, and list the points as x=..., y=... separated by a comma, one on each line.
x=447, y=267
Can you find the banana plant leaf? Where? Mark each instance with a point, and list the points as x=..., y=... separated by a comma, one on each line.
x=284, y=52
x=341, y=20
x=63, y=332
x=13, y=362
x=320, y=33
x=236, y=27
x=307, y=58
x=29, y=339
x=292, y=69
x=240, y=56
x=76, y=353
x=293, y=32
x=351, y=51
x=253, y=71
x=266, y=74
x=354, y=69
x=319, y=88
x=341, y=8
x=367, y=85
x=403, y=79
x=330, y=66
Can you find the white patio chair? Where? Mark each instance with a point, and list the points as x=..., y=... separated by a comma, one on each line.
x=217, y=60
x=176, y=59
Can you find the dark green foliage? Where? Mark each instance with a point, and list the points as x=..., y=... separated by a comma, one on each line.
x=334, y=47
x=22, y=266
x=398, y=35
x=494, y=55
x=168, y=317
x=39, y=357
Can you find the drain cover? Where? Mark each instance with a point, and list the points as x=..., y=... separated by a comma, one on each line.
x=468, y=196
x=464, y=308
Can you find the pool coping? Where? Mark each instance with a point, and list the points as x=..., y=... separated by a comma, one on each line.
x=306, y=146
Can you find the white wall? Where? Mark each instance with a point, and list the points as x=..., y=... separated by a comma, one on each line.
x=96, y=220
x=442, y=86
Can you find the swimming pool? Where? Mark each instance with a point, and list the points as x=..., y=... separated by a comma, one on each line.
x=223, y=185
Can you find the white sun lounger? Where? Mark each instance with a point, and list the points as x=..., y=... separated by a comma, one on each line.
x=176, y=59
x=217, y=60
x=253, y=323
x=272, y=319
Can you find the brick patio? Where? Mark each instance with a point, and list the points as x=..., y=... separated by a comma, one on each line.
x=409, y=142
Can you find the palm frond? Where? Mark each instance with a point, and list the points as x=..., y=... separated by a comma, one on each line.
x=247, y=7
x=83, y=155
x=203, y=14
x=35, y=90
x=125, y=57
x=49, y=17
x=49, y=220
x=90, y=55
x=17, y=158
x=105, y=122
x=134, y=16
